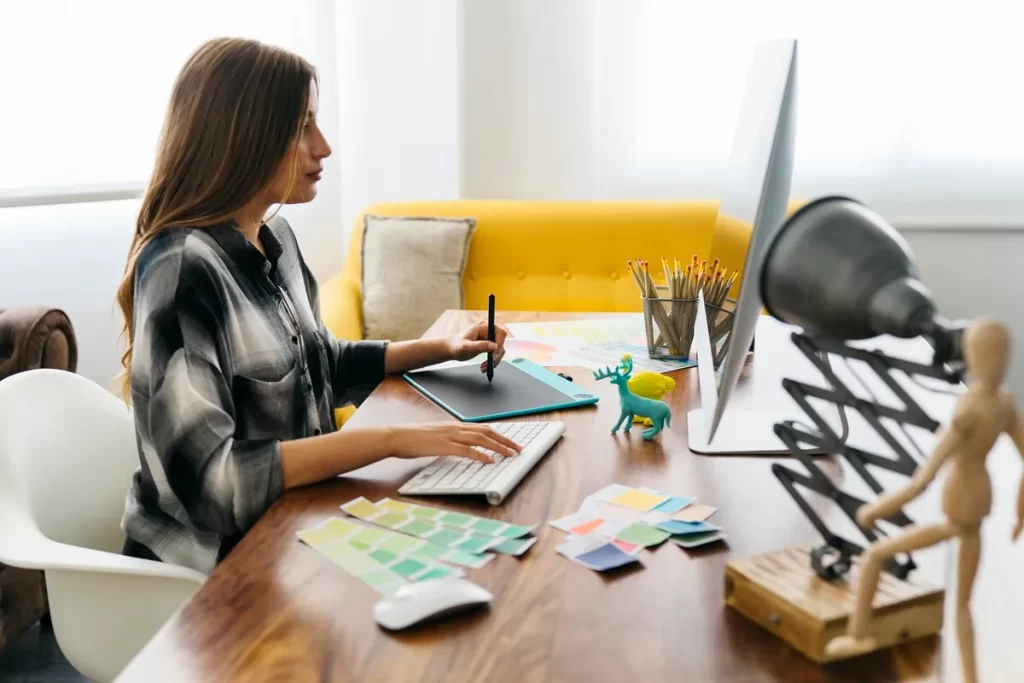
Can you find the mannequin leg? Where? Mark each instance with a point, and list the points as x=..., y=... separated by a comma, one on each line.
x=915, y=537
x=967, y=569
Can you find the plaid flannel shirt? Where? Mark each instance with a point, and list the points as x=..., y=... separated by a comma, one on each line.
x=230, y=358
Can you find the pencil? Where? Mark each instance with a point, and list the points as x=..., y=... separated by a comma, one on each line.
x=732, y=279
x=635, y=276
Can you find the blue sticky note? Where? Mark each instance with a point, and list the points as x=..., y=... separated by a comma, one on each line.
x=678, y=528
x=605, y=557
x=673, y=505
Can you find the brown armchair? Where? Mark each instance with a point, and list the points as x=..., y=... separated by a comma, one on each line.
x=30, y=337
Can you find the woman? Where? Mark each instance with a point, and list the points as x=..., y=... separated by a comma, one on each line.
x=233, y=377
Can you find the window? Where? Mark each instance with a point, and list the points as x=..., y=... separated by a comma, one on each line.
x=911, y=106
x=85, y=83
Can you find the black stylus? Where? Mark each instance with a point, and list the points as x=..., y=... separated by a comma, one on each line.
x=490, y=337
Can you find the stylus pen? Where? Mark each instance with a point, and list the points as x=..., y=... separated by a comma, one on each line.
x=490, y=337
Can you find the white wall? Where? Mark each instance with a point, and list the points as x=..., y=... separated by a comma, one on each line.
x=70, y=257
x=975, y=272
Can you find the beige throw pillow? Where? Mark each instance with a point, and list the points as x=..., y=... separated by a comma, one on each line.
x=412, y=272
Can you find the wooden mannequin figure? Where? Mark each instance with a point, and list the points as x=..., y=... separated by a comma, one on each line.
x=982, y=414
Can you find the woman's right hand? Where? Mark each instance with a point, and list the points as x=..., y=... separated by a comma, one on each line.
x=447, y=438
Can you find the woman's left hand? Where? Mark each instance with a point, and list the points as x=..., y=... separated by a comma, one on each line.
x=473, y=341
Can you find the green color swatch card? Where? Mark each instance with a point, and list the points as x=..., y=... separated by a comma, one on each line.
x=642, y=534
x=459, y=520
x=450, y=529
x=386, y=560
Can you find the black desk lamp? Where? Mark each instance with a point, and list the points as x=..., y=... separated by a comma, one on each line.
x=839, y=272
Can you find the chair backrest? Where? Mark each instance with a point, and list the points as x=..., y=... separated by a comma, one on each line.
x=69, y=451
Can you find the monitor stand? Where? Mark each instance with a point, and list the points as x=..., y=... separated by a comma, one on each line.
x=741, y=432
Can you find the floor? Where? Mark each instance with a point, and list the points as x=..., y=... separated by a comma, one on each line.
x=35, y=658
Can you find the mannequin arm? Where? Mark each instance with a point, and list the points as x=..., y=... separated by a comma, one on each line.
x=1016, y=433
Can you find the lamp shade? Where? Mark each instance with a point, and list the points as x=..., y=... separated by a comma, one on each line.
x=836, y=268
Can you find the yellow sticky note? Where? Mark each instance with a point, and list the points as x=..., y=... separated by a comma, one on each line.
x=396, y=505
x=360, y=507
x=638, y=500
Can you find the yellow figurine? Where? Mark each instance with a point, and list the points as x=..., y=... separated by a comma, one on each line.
x=650, y=385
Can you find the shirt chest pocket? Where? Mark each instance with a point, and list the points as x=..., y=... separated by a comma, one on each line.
x=267, y=408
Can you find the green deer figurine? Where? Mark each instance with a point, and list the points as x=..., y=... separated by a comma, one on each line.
x=631, y=404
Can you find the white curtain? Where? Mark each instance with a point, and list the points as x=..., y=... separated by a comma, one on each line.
x=914, y=107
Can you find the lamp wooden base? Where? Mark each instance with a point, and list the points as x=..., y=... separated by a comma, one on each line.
x=781, y=592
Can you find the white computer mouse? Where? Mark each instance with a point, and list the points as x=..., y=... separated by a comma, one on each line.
x=416, y=602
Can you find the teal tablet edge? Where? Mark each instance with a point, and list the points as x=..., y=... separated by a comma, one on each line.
x=576, y=396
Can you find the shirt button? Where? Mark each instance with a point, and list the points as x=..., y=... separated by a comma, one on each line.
x=295, y=340
x=316, y=432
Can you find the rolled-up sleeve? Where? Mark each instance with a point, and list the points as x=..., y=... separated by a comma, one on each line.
x=358, y=368
x=185, y=413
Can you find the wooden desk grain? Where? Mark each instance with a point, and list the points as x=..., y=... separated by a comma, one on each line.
x=276, y=610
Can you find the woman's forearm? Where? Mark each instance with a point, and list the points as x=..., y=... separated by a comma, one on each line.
x=408, y=355
x=313, y=459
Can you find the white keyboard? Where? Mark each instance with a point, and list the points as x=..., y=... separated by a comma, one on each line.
x=448, y=475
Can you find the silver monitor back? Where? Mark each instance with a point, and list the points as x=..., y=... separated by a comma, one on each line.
x=756, y=195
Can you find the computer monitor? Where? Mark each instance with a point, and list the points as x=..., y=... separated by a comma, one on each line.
x=753, y=203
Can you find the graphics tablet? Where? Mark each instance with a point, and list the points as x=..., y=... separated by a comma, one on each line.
x=520, y=387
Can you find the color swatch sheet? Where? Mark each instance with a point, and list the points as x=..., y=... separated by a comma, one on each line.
x=621, y=520
x=576, y=333
x=454, y=530
x=594, y=344
x=382, y=559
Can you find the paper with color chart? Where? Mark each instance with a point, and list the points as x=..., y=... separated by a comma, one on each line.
x=383, y=560
x=540, y=353
x=636, y=499
x=594, y=344
x=449, y=529
x=573, y=334
x=600, y=356
x=595, y=552
x=459, y=520
x=699, y=539
x=634, y=518
x=694, y=513
x=677, y=528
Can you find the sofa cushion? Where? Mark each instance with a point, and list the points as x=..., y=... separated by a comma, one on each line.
x=412, y=272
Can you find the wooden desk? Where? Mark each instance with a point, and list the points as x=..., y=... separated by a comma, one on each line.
x=277, y=610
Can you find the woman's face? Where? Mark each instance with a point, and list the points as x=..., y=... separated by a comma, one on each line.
x=311, y=149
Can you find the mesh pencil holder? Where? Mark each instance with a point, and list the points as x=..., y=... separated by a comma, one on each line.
x=719, y=327
x=668, y=324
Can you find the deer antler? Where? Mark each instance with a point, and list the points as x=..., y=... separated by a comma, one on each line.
x=626, y=364
x=607, y=372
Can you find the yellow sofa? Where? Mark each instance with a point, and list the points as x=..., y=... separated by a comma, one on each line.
x=550, y=255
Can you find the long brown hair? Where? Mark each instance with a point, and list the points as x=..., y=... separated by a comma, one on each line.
x=236, y=108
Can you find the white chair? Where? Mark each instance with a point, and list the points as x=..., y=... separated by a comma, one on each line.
x=67, y=454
